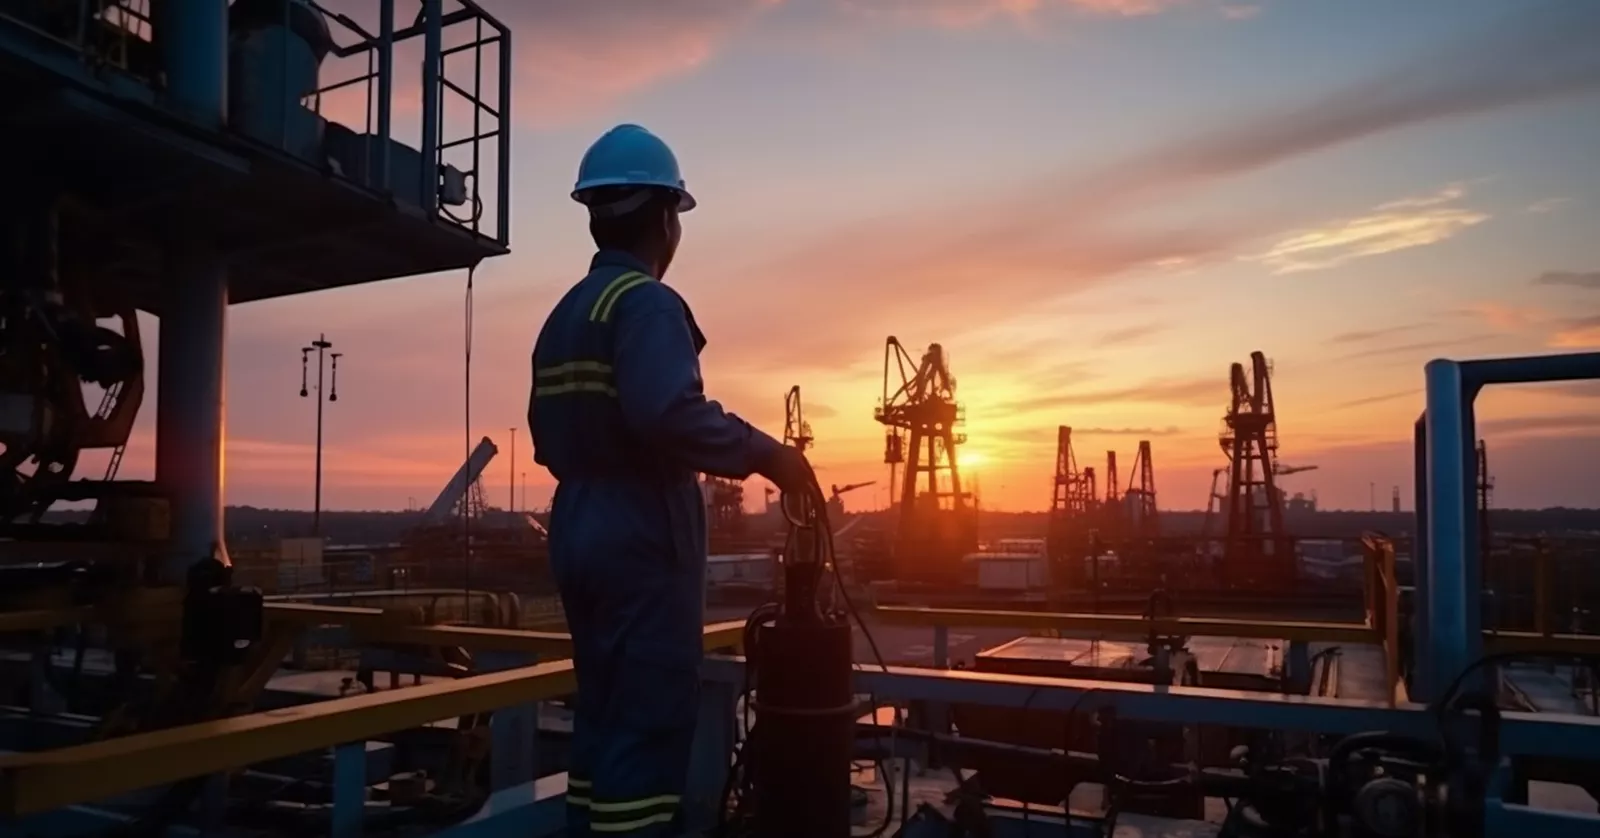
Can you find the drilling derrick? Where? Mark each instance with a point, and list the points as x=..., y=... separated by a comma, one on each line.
x=1257, y=553
x=937, y=524
x=1112, y=520
x=1072, y=501
x=1139, y=505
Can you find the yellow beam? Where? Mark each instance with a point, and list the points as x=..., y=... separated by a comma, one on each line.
x=32, y=783
x=43, y=618
x=543, y=643
x=303, y=614
x=40, y=782
x=1128, y=624
x=1525, y=642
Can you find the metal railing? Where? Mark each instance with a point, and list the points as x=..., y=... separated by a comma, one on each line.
x=528, y=801
x=436, y=20
x=1449, y=572
x=454, y=149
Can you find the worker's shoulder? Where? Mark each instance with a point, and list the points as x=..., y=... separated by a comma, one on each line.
x=635, y=294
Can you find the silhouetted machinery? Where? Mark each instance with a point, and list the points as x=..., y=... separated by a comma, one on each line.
x=796, y=430
x=164, y=162
x=1257, y=552
x=937, y=522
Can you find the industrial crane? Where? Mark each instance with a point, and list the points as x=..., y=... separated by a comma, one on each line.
x=838, y=490
x=1257, y=552
x=937, y=525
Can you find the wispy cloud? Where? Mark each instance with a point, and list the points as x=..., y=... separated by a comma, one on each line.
x=1547, y=205
x=1379, y=399
x=1131, y=334
x=1240, y=11
x=573, y=59
x=1397, y=225
x=967, y=13
x=1571, y=279
x=1181, y=391
x=1579, y=333
x=1531, y=424
x=1505, y=317
x=1170, y=430
x=1365, y=335
x=1059, y=235
x=1408, y=349
x=1042, y=434
x=1579, y=389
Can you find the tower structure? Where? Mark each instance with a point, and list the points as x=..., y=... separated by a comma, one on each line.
x=1142, y=516
x=1112, y=517
x=1257, y=553
x=936, y=521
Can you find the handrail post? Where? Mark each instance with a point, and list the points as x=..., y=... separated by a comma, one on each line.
x=349, y=790
x=432, y=116
x=1452, y=542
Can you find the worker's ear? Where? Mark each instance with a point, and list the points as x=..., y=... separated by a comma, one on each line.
x=672, y=230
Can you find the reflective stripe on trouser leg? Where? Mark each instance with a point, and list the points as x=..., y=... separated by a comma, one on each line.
x=580, y=770
x=634, y=817
x=578, y=792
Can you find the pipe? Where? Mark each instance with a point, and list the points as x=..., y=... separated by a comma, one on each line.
x=432, y=68
x=193, y=38
x=503, y=152
x=385, y=95
x=191, y=414
x=1451, y=592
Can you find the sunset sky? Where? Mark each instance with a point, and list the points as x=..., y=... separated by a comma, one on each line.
x=1095, y=205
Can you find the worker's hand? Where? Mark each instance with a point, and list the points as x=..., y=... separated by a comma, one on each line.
x=787, y=467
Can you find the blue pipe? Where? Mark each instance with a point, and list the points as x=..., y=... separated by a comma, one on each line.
x=193, y=36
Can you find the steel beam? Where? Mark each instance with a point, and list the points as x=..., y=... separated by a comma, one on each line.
x=1522, y=734
x=32, y=783
x=1128, y=624
x=40, y=782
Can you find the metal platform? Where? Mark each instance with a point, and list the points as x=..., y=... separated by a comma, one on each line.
x=302, y=211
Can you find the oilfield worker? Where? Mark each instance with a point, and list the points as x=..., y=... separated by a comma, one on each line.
x=618, y=416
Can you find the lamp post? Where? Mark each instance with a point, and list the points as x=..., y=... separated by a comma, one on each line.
x=512, y=504
x=320, y=346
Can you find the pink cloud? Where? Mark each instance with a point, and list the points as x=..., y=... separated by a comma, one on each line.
x=573, y=58
x=965, y=13
x=1059, y=234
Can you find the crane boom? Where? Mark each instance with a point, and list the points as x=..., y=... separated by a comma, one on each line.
x=457, y=488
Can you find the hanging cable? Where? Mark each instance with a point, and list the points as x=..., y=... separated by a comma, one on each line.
x=466, y=435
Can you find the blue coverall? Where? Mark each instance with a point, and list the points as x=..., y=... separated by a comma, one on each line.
x=619, y=418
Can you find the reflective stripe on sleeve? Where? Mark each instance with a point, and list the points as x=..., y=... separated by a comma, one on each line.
x=625, y=282
x=573, y=377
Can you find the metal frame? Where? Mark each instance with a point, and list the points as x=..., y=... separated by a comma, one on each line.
x=1449, y=572
x=39, y=783
x=431, y=25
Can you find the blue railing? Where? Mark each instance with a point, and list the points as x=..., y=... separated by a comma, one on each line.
x=1448, y=611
